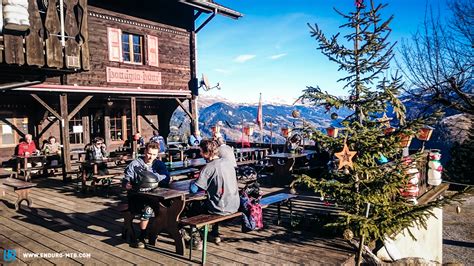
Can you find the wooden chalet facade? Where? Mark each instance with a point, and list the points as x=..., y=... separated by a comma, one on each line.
x=115, y=68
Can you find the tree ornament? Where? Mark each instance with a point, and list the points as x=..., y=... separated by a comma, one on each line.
x=295, y=114
x=345, y=157
x=385, y=121
x=346, y=171
x=334, y=116
x=348, y=234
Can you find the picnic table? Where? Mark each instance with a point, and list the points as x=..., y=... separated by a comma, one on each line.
x=193, y=163
x=169, y=203
x=23, y=161
x=284, y=162
x=93, y=165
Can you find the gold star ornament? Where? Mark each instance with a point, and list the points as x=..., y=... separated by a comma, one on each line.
x=385, y=120
x=345, y=157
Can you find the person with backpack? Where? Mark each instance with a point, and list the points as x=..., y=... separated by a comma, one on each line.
x=219, y=181
x=144, y=174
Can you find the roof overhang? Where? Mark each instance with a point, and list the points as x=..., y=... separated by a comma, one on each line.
x=212, y=7
x=107, y=90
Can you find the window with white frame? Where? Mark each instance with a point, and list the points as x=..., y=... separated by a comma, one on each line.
x=132, y=48
x=9, y=136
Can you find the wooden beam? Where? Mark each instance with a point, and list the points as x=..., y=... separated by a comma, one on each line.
x=79, y=107
x=13, y=126
x=64, y=128
x=150, y=123
x=133, y=109
x=43, y=130
x=184, y=108
x=433, y=194
x=45, y=105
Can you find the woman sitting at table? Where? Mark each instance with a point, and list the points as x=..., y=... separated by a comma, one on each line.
x=219, y=181
x=96, y=152
x=52, y=148
x=132, y=182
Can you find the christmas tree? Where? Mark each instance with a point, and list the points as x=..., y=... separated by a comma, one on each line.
x=369, y=174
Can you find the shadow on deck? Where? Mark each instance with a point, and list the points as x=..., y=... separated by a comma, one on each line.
x=64, y=221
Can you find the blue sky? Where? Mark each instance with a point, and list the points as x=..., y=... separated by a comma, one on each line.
x=269, y=49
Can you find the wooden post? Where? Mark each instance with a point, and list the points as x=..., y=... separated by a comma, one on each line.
x=86, y=133
x=133, y=108
x=107, y=137
x=193, y=85
x=64, y=128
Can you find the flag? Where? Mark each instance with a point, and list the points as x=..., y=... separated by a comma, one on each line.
x=259, y=113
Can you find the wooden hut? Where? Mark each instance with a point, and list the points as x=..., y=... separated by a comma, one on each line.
x=81, y=69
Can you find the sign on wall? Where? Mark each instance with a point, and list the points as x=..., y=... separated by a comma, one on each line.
x=133, y=76
x=77, y=129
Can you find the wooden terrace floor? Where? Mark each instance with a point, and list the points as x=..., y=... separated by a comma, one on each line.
x=62, y=220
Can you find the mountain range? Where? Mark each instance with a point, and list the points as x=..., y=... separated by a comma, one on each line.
x=231, y=116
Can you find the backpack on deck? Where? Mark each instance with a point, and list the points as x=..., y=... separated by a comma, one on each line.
x=252, y=217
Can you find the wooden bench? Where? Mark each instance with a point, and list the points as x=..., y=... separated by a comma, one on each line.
x=204, y=220
x=22, y=189
x=128, y=234
x=246, y=162
x=279, y=199
x=105, y=179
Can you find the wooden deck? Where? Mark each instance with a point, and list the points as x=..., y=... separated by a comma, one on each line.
x=63, y=221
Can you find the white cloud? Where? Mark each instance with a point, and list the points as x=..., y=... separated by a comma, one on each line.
x=274, y=57
x=244, y=58
x=220, y=70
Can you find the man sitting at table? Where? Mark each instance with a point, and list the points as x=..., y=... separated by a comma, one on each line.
x=138, y=204
x=225, y=151
x=97, y=151
x=219, y=181
x=27, y=147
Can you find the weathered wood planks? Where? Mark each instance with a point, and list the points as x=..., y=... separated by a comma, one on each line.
x=53, y=44
x=34, y=38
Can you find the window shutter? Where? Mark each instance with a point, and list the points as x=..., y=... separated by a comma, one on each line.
x=115, y=44
x=152, y=50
